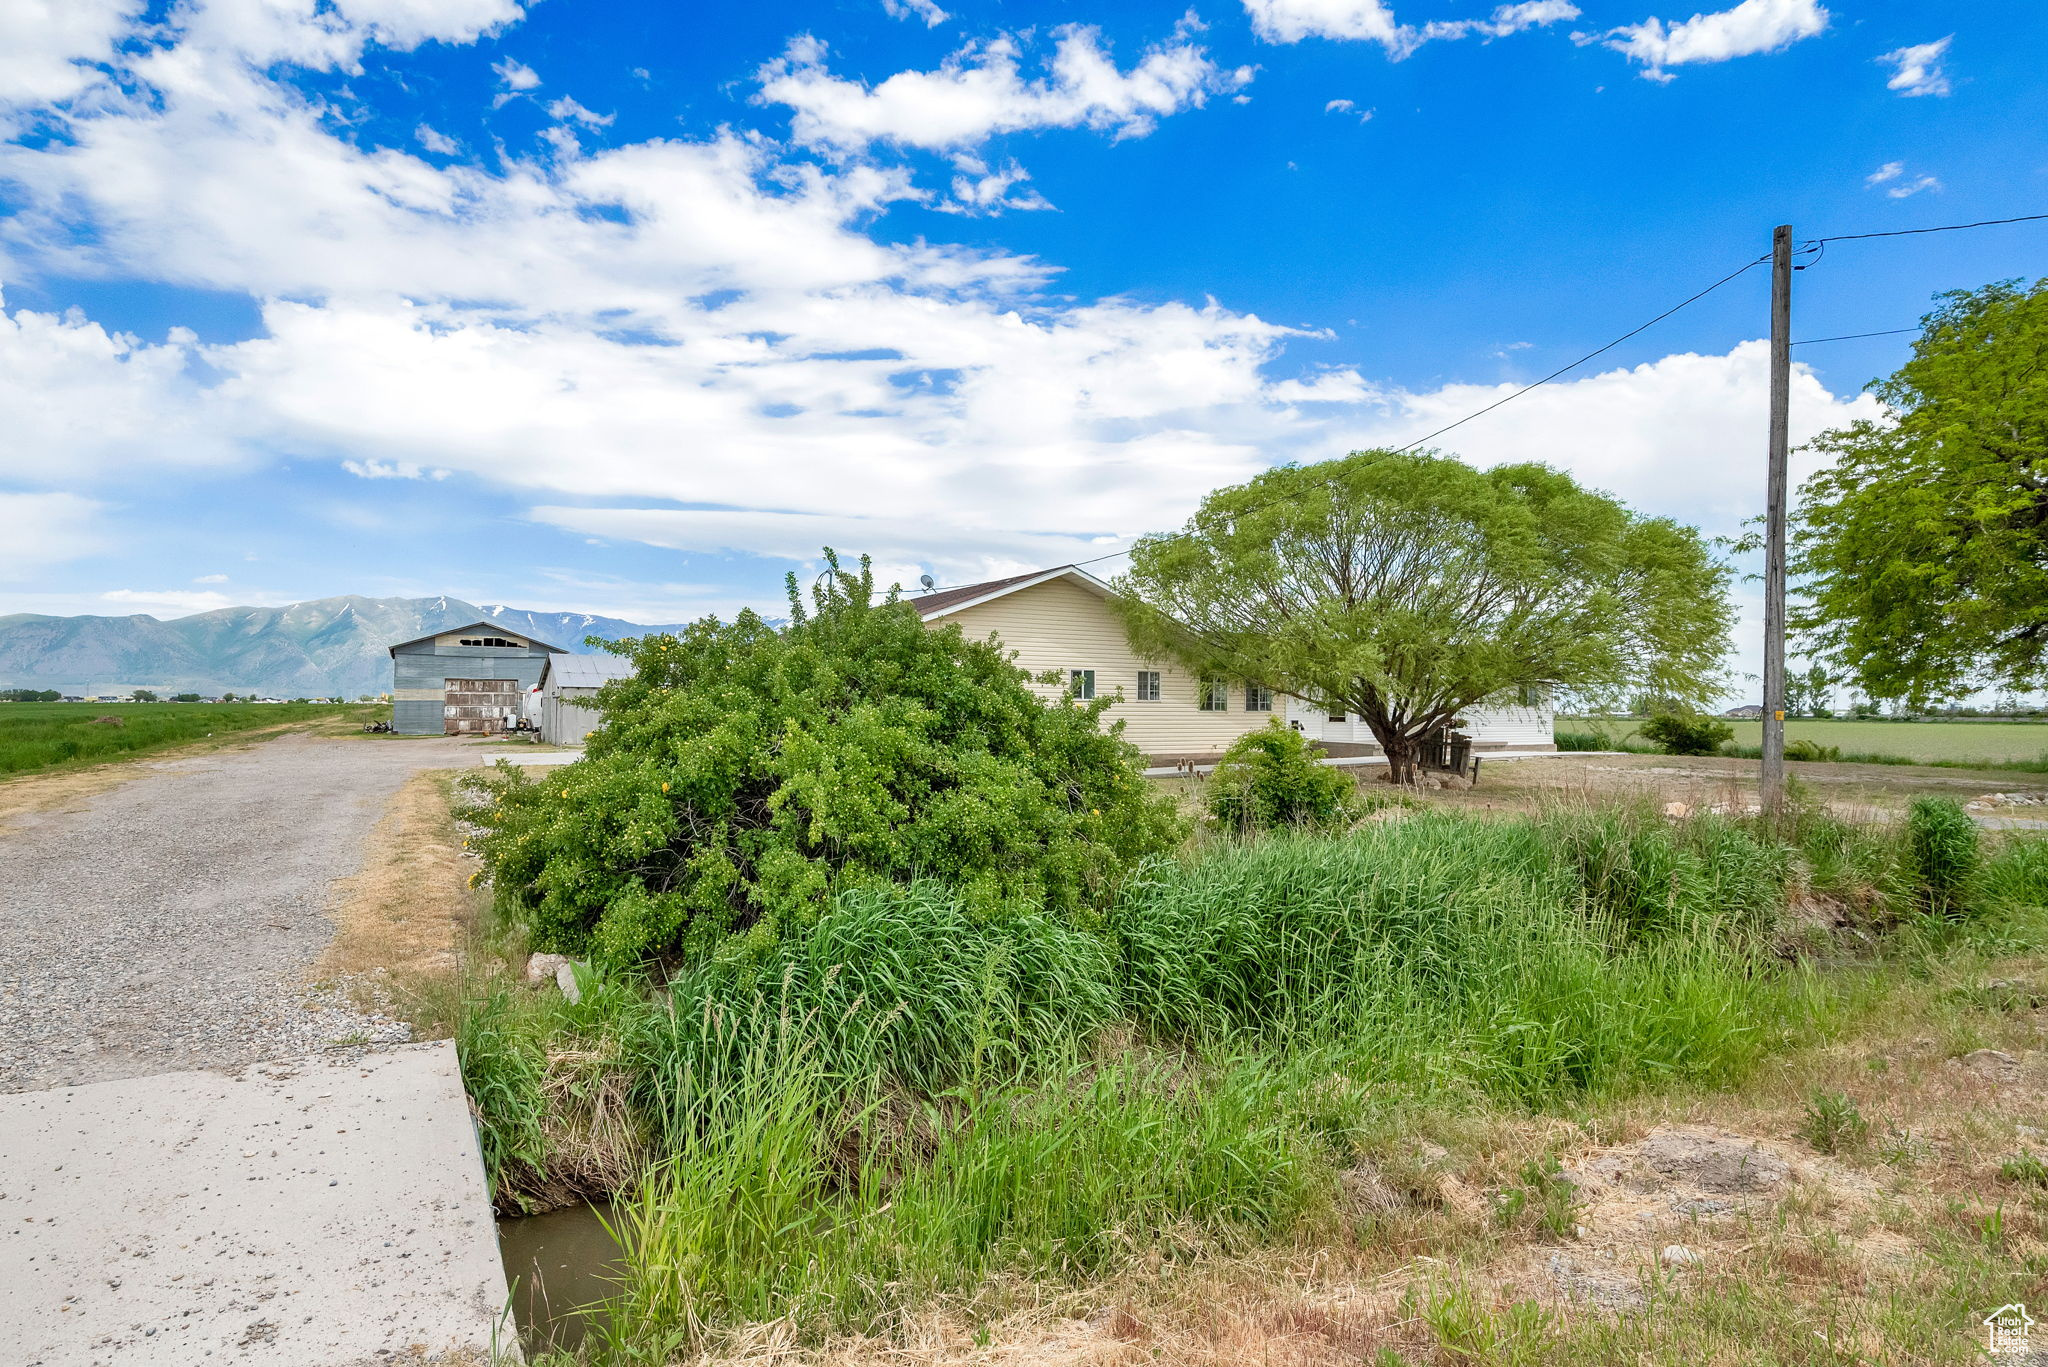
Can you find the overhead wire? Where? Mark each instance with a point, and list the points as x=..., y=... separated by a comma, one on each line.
x=1816, y=246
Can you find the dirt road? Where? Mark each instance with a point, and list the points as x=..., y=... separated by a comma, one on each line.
x=168, y=922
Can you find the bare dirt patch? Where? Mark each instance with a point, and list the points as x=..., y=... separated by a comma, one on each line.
x=409, y=910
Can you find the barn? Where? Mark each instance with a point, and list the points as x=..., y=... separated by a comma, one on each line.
x=568, y=694
x=470, y=679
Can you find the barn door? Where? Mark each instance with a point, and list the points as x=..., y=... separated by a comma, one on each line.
x=480, y=705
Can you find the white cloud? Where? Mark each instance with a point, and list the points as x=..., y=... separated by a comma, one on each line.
x=211, y=579
x=568, y=111
x=1918, y=70
x=977, y=189
x=83, y=403
x=45, y=530
x=1290, y=21
x=514, y=74
x=1681, y=436
x=1752, y=27
x=1339, y=107
x=392, y=469
x=48, y=48
x=695, y=343
x=440, y=144
x=157, y=601
x=980, y=91
x=1889, y=174
x=930, y=13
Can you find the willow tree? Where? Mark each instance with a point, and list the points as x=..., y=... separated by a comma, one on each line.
x=1408, y=587
x=1923, y=547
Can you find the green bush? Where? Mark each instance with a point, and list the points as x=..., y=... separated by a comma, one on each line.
x=1941, y=856
x=1270, y=778
x=1583, y=740
x=1812, y=752
x=742, y=774
x=1678, y=733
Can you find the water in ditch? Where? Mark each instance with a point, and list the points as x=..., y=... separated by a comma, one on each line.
x=557, y=1265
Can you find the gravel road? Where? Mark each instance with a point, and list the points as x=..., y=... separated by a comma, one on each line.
x=168, y=923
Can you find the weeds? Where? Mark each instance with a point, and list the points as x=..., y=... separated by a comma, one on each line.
x=1832, y=1123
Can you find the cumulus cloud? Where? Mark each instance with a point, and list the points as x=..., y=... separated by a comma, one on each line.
x=49, y=48
x=1918, y=70
x=44, y=530
x=440, y=144
x=1752, y=27
x=981, y=90
x=1290, y=21
x=83, y=403
x=569, y=111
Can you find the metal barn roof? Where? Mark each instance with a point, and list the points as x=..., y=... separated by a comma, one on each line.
x=584, y=671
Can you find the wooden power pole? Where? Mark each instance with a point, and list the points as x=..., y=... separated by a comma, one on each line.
x=1773, y=776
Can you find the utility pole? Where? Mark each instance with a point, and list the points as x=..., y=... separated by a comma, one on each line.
x=1772, y=779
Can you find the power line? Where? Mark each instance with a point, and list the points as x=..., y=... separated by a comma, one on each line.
x=1809, y=245
x=1912, y=232
x=1508, y=398
x=1852, y=336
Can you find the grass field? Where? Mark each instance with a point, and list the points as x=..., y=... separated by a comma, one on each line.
x=1988, y=743
x=40, y=736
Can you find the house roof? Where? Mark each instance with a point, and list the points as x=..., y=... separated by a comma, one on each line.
x=492, y=627
x=584, y=671
x=943, y=602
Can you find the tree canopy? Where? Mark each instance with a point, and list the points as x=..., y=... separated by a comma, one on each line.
x=1923, y=549
x=743, y=773
x=1408, y=587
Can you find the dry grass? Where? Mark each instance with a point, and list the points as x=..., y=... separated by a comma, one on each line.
x=401, y=924
x=1884, y=1253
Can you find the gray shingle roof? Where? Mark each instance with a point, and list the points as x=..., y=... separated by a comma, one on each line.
x=586, y=671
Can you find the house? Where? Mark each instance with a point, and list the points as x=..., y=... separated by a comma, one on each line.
x=568, y=688
x=1747, y=712
x=1061, y=619
x=471, y=679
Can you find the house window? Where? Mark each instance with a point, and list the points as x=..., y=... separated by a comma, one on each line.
x=491, y=641
x=1215, y=695
x=1148, y=685
x=1533, y=695
x=1082, y=683
x=1334, y=713
x=1258, y=698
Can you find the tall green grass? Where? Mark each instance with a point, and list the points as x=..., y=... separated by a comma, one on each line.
x=910, y=1099
x=38, y=736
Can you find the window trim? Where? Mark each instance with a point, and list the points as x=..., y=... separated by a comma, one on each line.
x=1157, y=679
x=1075, y=682
x=1212, y=695
x=1258, y=698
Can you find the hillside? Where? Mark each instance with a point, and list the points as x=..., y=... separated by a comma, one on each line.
x=328, y=646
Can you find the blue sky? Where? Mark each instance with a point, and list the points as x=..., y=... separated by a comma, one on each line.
x=628, y=307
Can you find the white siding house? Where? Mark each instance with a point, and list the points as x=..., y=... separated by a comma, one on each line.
x=1061, y=619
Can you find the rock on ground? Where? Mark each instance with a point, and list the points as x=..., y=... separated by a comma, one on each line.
x=168, y=922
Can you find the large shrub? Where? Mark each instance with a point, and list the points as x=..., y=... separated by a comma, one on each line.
x=745, y=772
x=1678, y=733
x=1270, y=778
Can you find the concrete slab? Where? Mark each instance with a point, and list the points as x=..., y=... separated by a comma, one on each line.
x=316, y=1213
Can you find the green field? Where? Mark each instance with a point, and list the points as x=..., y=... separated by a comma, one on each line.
x=1931, y=742
x=35, y=736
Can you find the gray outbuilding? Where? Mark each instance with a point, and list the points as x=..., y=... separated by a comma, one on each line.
x=568, y=692
x=471, y=679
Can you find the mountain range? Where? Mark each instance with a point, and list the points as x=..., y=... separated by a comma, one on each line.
x=328, y=647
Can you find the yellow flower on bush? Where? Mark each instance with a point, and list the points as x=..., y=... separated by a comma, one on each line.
x=565, y=792
x=664, y=787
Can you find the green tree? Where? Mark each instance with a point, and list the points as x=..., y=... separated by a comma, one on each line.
x=1923, y=548
x=1408, y=587
x=143, y=695
x=744, y=774
x=1807, y=692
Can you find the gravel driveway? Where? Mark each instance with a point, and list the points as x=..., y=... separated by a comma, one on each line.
x=168, y=923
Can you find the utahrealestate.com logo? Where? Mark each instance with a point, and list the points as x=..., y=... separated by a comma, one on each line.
x=2005, y=1329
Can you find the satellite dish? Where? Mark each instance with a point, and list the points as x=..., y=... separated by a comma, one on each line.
x=928, y=582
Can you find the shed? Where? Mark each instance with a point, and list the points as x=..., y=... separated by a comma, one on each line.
x=568, y=688
x=462, y=681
